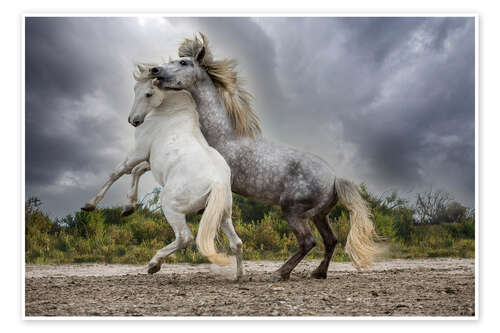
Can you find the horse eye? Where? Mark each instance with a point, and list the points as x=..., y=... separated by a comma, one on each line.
x=183, y=63
x=149, y=95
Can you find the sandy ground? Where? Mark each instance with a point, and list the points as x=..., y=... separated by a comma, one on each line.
x=431, y=287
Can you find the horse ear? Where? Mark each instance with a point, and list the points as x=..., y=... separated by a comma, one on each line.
x=200, y=55
x=141, y=67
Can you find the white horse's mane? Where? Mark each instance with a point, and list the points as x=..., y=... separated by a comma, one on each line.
x=141, y=72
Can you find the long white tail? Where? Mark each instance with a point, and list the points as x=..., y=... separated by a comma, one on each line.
x=215, y=211
x=360, y=245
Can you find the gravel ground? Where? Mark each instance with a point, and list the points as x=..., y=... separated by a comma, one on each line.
x=431, y=287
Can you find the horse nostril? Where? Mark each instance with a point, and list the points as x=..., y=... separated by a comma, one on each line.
x=155, y=70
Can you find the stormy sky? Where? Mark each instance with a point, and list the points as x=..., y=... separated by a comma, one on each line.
x=386, y=101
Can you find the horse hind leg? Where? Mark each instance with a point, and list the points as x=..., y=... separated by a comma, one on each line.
x=132, y=194
x=329, y=240
x=183, y=237
x=236, y=245
x=306, y=241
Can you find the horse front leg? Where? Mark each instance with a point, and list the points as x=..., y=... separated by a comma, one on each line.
x=132, y=195
x=124, y=167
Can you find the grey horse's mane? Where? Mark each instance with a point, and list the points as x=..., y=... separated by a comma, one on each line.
x=237, y=100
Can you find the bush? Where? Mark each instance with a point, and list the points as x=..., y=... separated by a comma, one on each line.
x=102, y=236
x=402, y=225
x=341, y=228
x=147, y=229
x=249, y=210
x=431, y=207
x=112, y=216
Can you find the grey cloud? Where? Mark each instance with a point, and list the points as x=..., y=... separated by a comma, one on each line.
x=388, y=84
x=387, y=101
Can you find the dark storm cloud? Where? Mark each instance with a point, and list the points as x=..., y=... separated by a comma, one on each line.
x=62, y=69
x=387, y=101
x=400, y=90
x=78, y=94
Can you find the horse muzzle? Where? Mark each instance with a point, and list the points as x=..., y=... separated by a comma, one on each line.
x=160, y=78
x=136, y=121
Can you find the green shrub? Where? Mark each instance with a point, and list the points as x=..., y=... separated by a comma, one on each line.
x=147, y=229
x=384, y=223
x=402, y=225
x=102, y=236
x=341, y=227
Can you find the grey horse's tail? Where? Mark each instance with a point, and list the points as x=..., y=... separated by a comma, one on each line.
x=360, y=245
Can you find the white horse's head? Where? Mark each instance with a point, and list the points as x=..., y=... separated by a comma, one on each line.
x=147, y=96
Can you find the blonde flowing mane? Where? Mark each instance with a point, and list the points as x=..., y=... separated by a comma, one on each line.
x=237, y=100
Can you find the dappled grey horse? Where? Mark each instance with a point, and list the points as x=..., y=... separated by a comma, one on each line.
x=300, y=182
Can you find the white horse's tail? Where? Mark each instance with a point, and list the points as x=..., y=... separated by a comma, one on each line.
x=215, y=211
x=360, y=245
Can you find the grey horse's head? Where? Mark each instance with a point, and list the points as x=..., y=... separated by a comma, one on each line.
x=179, y=74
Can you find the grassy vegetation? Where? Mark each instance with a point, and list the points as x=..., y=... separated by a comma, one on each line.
x=103, y=236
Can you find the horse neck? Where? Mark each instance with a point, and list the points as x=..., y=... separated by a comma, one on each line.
x=180, y=111
x=214, y=120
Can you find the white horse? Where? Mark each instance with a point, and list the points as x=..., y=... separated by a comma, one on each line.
x=171, y=144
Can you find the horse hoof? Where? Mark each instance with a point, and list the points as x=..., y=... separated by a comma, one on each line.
x=127, y=210
x=318, y=275
x=275, y=277
x=88, y=207
x=153, y=268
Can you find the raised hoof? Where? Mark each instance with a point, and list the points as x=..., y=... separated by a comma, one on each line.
x=318, y=275
x=88, y=207
x=127, y=210
x=153, y=268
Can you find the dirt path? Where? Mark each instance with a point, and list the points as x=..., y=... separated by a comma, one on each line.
x=432, y=287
